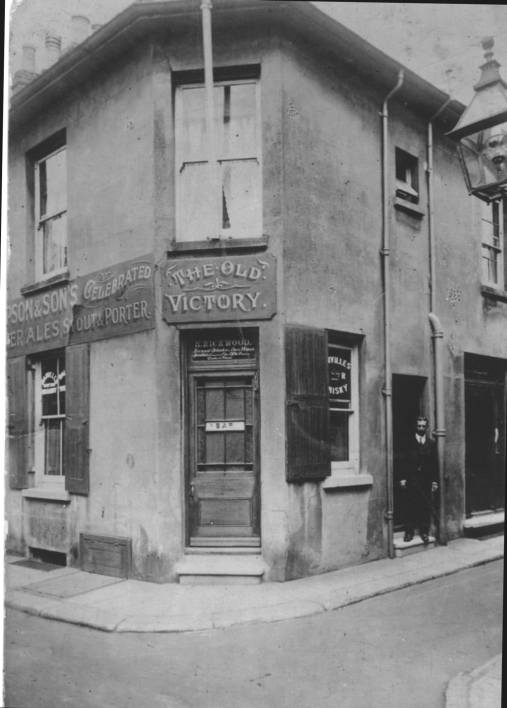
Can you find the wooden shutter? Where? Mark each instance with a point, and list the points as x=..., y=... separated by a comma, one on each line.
x=17, y=422
x=308, y=449
x=77, y=402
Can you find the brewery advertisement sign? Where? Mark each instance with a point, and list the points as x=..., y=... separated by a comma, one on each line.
x=224, y=289
x=108, y=303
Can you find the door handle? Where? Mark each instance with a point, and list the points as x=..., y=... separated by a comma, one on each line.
x=191, y=493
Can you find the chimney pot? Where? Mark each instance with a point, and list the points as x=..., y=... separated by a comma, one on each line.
x=96, y=27
x=80, y=28
x=53, y=48
x=29, y=58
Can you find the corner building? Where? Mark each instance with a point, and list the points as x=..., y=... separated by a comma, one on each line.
x=195, y=337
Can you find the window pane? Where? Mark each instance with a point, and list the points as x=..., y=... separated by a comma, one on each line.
x=193, y=129
x=53, y=184
x=339, y=436
x=49, y=386
x=234, y=404
x=490, y=264
x=241, y=197
x=339, y=367
x=215, y=404
x=235, y=447
x=54, y=243
x=197, y=200
x=215, y=447
x=239, y=121
x=53, y=447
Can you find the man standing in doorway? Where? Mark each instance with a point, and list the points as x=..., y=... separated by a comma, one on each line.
x=420, y=473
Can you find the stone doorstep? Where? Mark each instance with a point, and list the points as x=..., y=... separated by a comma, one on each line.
x=224, y=569
x=416, y=545
x=482, y=520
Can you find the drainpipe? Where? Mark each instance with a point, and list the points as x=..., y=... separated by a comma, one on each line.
x=437, y=335
x=387, y=390
x=206, y=7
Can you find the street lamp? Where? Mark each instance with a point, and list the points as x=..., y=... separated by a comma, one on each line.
x=482, y=133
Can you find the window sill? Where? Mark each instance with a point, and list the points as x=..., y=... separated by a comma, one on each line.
x=349, y=480
x=493, y=293
x=409, y=207
x=50, y=494
x=219, y=244
x=59, y=279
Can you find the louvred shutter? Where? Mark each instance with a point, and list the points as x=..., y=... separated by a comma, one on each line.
x=307, y=405
x=77, y=403
x=17, y=422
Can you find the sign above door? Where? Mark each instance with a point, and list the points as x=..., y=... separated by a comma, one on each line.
x=224, y=289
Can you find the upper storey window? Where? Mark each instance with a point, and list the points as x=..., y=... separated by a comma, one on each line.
x=221, y=200
x=407, y=176
x=492, y=217
x=51, y=213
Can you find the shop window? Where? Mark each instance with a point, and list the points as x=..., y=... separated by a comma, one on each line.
x=51, y=213
x=220, y=200
x=492, y=232
x=407, y=176
x=48, y=400
x=322, y=404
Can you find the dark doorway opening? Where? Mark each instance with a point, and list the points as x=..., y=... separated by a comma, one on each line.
x=484, y=434
x=408, y=403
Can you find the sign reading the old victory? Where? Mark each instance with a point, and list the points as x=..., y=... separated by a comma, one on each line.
x=219, y=289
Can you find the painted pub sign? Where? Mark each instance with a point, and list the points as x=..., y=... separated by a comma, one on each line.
x=223, y=289
x=109, y=303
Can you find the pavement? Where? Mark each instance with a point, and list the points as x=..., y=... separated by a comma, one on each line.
x=119, y=605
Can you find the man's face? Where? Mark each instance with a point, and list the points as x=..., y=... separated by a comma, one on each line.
x=421, y=427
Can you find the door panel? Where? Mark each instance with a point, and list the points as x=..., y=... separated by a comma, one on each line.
x=223, y=490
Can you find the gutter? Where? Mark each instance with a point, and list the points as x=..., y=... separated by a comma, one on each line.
x=387, y=390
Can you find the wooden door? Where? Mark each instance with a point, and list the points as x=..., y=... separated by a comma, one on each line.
x=223, y=508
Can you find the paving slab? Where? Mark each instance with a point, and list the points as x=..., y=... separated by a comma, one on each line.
x=17, y=576
x=28, y=602
x=97, y=618
x=72, y=584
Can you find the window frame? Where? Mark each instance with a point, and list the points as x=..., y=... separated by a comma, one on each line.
x=36, y=418
x=225, y=233
x=47, y=217
x=352, y=465
x=492, y=242
x=409, y=187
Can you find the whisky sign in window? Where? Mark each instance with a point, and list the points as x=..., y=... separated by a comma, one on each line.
x=340, y=396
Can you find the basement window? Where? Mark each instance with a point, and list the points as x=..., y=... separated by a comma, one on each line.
x=407, y=177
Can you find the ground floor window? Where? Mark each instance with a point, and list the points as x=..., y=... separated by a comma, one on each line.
x=343, y=405
x=49, y=418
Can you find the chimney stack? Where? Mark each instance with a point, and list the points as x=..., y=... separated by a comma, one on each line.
x=27, y=74
x=53, y=49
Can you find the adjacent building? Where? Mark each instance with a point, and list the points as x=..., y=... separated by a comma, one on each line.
x=196, y=328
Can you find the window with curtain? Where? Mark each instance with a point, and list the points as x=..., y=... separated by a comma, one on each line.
x=221, y=200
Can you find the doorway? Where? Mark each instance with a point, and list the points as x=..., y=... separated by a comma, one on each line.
x=484, y=434
x=408, y=404
x=222, y=441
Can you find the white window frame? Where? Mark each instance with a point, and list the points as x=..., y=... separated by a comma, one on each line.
x=350, y=466
x=180, y=196
x=492, y=243
x=41, y=479
x=40, y=220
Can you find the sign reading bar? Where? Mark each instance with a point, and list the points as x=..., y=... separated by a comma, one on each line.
x=114, y=301
x=223, y=348
x=225, y=426
x=108, y=303
x=219, y=289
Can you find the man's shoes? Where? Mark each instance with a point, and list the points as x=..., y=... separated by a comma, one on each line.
x=408, y=537
x=425, y=538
